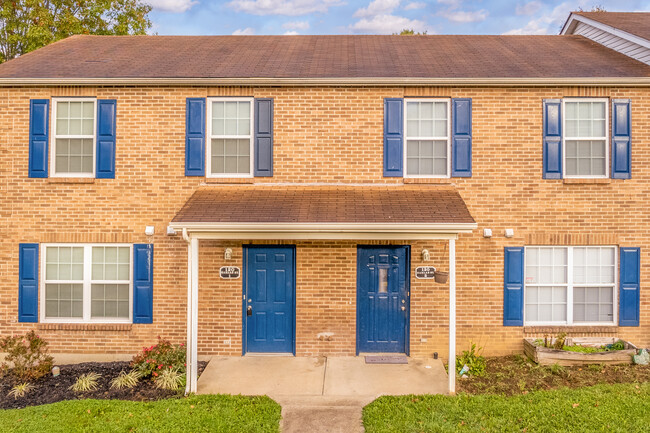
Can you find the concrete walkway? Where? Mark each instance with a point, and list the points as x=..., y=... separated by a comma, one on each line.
x=320, y=394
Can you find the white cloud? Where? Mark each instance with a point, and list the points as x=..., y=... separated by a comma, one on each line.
x=465, y=17
x=549, y=23
x=377, y=7
x=414, y=5
x=529, y=8
x=176, y=6
x=451, y=3
x=387, y=24
x=298, y=25
x=283, y=7
x=291, y=33
x=246, y=31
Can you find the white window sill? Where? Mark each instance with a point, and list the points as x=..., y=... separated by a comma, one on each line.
x=584, y=180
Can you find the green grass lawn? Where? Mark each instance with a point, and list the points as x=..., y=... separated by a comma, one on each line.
x=210, y=413
x=600, y=408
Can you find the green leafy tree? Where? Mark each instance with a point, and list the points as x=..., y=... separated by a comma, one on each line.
x=26, y=25
x=410, y=32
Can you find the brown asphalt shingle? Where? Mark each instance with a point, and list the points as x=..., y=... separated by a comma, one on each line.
x=325, y=204
x=334, y=56
x=636, y=23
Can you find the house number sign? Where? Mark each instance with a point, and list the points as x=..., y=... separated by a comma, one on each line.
x=425, y=272
x=229, y=272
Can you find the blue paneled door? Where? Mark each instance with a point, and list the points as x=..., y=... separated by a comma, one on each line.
x=382, y=299
x=269, y=293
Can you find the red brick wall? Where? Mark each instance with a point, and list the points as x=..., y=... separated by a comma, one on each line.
x=321, y=135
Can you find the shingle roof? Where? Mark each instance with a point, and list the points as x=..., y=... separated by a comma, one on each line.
x=358, y=56
x=325, y=204
x=636, y=23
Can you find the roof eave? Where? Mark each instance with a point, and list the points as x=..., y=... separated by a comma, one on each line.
x=334, y=81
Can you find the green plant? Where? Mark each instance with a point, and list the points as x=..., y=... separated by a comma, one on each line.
x=473, y=359
x=557, y=369
x=582, y=349
x=20, y=390
x=153, y=360
x=619, y=345
x=86, y=382
x=126, y=380
x=169, y=378
x=559, y=341
x=27, y=355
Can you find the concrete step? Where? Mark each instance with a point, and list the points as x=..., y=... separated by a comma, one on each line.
x=331, y=401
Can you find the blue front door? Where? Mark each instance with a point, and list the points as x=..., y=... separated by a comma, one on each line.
x=269, y=307
x=382, y=299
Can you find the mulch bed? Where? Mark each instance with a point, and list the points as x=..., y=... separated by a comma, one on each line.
x=49, y=389
x=516, y=374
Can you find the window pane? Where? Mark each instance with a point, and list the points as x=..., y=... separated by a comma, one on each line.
x=64, y=263
x=64, y=300
x=74, y=155
x=593, y=304
x=585, y=157
x=109, y=300
x=230, y=156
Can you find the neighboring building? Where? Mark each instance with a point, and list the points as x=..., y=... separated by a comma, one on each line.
x=137, y=173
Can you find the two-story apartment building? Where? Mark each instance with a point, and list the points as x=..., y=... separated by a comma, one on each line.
x=289, y=194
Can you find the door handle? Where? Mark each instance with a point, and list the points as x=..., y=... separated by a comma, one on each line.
x=249, y=310
x=403, y=308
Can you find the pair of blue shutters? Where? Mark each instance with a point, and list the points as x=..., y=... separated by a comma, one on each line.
x=195, y=118
x=142, y=283
x=629, y=286
x=39, y=131
x=621, y=155
x=461, y=137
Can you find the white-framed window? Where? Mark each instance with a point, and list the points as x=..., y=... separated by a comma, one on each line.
x=570, y=285
x=585, y=138
x=74, y=135
x=84, y=283
x=427, y=141
x=230, y=137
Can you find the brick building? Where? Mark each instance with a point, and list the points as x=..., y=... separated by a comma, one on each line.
x=253, y=194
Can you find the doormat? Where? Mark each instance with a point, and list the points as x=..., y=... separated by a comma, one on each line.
x=386, y=359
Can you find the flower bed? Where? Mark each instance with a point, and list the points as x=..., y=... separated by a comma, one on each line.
x=580, y=351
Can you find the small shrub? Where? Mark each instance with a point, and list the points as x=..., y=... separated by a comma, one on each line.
x=159, y=357
x=27, y=356
x=559, y=341
x=473, y=359
x=557, y=369
x=126, y=380
x=169, y=378
x=86, y=382
x=20, y=390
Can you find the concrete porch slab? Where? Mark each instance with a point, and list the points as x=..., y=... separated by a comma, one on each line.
x=351, y=376
x=263, y=375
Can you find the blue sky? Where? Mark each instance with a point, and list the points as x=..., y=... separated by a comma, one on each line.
x=265, y=17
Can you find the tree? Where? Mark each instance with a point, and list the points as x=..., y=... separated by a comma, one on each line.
x=26, y=25
x=410, y=32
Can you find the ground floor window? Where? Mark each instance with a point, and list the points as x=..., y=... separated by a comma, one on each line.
x=86, y=283
x=570, y=285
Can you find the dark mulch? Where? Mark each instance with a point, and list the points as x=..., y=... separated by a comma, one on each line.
x=516, y=374
x=49, y=389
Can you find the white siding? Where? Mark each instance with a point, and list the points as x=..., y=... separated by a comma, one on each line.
x=614, y=42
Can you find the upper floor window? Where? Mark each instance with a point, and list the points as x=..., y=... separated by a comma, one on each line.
x=230, y=133
x=427, y=139
x=74, y=137
x=86, y=283
x=570, y=285
x=586, y=144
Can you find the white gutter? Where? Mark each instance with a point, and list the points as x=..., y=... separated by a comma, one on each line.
x=361, y=81
x=604, y=27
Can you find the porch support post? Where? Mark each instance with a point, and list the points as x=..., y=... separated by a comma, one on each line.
x=192, y=314
x=452, y=316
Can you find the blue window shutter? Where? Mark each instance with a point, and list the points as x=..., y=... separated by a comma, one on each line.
x=195, y=137
x=142, y=283
x=263, y=146
x=28, y=283
x=513, y=286
x=106, y=113
x=39, y=129
x=630, y=282
x=552, y=146
x=461, y=138
x=393, y=137
x=621, y=139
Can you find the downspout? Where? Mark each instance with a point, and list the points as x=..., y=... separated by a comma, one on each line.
x=188, y=342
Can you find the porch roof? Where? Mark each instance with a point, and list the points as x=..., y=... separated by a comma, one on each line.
x=397, y=210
